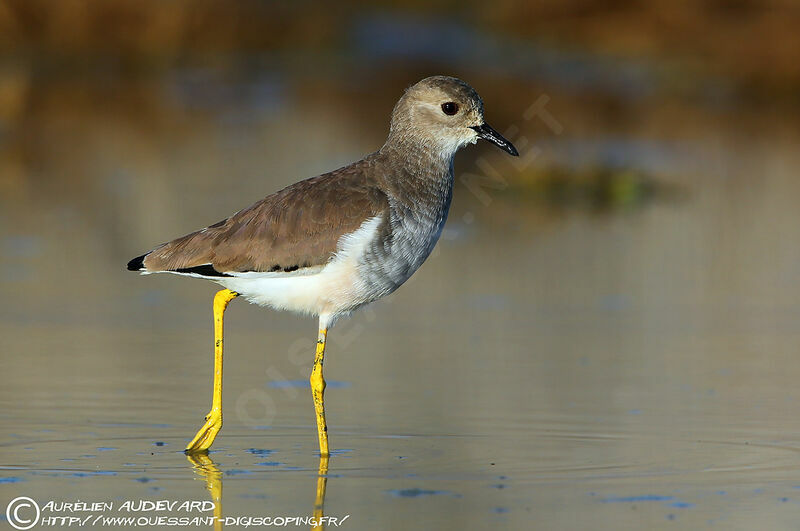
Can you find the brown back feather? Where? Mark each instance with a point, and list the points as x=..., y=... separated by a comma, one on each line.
x=299, y=226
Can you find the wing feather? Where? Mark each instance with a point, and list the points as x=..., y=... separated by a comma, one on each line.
x=297, y=227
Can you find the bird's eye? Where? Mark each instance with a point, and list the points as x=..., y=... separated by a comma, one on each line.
x=450, y=108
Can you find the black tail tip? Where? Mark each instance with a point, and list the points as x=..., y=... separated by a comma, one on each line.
x=137, y=264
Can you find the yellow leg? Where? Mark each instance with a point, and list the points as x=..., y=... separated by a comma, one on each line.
x=318, y=392
x=205, y=437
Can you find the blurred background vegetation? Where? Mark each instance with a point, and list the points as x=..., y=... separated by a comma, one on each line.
x=121, y=119
x=660, y=69
x=110, y=109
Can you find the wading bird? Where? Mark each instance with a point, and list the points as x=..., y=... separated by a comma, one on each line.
x=333, y=243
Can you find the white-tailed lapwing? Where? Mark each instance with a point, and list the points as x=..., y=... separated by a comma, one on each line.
x=333, y=243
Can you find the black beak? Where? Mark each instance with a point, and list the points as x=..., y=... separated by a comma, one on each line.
x=487, y=133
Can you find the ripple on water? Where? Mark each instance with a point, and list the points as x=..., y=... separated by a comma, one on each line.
x=260, y=451
x=417, y=493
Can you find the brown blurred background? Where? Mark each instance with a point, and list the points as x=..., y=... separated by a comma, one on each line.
x=614, y=313
x=114, y=114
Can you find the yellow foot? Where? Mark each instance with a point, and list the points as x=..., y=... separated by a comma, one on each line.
x=205, y=437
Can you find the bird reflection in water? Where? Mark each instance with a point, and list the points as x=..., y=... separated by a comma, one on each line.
x=322, y=484
x=204, y=467
x=208, y=470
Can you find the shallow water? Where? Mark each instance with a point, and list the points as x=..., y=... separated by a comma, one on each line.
x=554, y=365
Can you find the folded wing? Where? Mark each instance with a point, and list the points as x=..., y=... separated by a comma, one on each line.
x=298, y=227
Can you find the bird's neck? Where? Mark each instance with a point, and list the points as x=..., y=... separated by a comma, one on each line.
x=420, y=156
x=419, y=180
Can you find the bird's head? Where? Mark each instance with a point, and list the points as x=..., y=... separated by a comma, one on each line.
x=444, y=113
